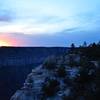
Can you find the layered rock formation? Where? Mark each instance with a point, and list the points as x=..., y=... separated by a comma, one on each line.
x=67, y=77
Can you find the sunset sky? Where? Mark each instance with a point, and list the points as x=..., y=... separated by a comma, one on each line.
x=49, y=22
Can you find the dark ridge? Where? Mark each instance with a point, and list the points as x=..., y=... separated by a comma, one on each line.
x=17, y=62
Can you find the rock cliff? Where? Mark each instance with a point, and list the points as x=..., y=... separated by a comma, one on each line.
x=66, y=77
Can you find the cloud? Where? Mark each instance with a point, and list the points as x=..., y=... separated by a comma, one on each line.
x=49, y=22
x=47, y=16
x=59, y=39
x=5, y=18
x=5, y=15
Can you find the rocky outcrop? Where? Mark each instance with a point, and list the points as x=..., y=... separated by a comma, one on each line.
x=67, y=77
x=17, y=62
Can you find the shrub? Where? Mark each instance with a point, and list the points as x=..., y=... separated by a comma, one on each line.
x=50, y=87
x=72, y=62
x=61, y=72
x=50, y=64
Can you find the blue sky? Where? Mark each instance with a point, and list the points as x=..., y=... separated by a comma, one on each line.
x=49, y=22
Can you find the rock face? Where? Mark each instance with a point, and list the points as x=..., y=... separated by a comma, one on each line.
x=68, y=77
x=19, y=56
x=17, y=62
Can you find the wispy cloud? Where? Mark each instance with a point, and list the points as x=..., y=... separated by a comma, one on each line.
x=50, y=20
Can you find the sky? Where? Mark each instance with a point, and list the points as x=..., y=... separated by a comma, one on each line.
x=49, y=22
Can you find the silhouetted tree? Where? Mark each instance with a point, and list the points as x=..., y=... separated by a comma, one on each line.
x=94, y=45
x=98, y=44
x=73, y=45
x=84, y=44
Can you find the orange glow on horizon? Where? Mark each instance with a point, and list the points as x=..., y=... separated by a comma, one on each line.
x=10, y=40
x=4, y=43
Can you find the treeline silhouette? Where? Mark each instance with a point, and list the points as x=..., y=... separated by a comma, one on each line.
x=91, y=51
x=86, y=84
